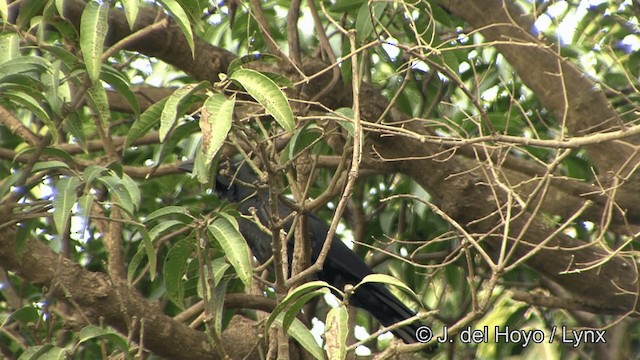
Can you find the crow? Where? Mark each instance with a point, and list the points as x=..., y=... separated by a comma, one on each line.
x=341, y=267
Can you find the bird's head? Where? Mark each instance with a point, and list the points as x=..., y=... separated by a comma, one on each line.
x=235, y=180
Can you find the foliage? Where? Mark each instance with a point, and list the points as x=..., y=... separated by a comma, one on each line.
x=89, y=155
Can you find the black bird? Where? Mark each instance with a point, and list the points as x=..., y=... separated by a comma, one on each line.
x=341, y=267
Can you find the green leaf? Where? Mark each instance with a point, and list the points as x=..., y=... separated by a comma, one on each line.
x=92, y=172
x=43, y=352
x=69, y=59
x=49, y=165
x=24, y=232
x=267, y=94
x=150, y=251
x=93, y=31
x=180, y=16
x=4, y=11
x=145, y=248
x=145, y=122
x=64, y=198
x=170, y=111
x=280, y=80
x=364, y=23
x=337, y=329
x=294, y=295
x=303, y=336
x=389, y=280
x=121, y=85
x=28, y=102
x=117, y=188
x=9, y=42
x=73, y=124
x=93, y=332
x=347, y=123
x=28, y=10
x=301, y=140
x=132, y=188
x=131, y=11
x=218, y=267
x=177, y=211
x=162, y=227
x=24, y=316
x=84, y=203
x=293, y=310
x=27, y=65
x=8, y=182
x=215, y=123
x=342, y=6
x=220, y=292
x=249, y=58
x=97, y=98
x=179, y=134
x=234, y=247
x=175, y=267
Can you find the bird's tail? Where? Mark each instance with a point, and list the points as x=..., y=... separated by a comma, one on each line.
x=389, y=310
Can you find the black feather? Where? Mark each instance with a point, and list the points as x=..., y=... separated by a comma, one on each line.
x=341, y=267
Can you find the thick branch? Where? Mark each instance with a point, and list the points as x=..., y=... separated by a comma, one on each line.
x=102, y=301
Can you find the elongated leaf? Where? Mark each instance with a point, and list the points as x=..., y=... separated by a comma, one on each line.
x=234, y=247
x=215, y=124
x=295, y=295
x=49, y=150
x=93, y=31
x=24, y=315
x=84, y=203
x=63, y=200
x=131, y=11
x=69, y=59
x=218, y=268
x=73, y=124
x=28, y=10
x=49, y=165
x=176, y=211
x=132, y=189
x=28, y=65
x=175, y=266
x=92, y=332
x=145, y=122
x=249, y=58
x=150, y=251
x=92, y=172
x=220, y=292
x=162, y=227
x=9, y=42
x=364, y=23
x=180, y=16
x=179, y=134
x=389, y=280
x=293, y=310
x=170, y=111
x=122, y=86
x=302, y=139
x=97, y=96
x=117, y=188
x=337, y=329
x=267, y=94
x=145, y=248
x=4, y=11
x=8, y=182
x=28, y=102
x=43, y=352
x=303, y=336
x=346, y=124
